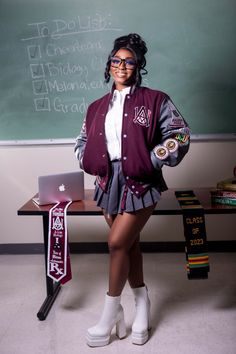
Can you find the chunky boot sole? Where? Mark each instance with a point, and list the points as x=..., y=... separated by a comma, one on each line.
x=93, y=341
x=101, y=341
x=140, y=338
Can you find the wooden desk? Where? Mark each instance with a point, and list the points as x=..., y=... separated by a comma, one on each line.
x=167, y=206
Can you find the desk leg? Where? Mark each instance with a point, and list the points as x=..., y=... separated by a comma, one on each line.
x=52, y=287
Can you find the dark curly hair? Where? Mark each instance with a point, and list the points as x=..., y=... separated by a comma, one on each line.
x=137, y=46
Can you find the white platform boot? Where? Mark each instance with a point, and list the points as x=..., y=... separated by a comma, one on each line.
x=141, y=324
x=112, y=315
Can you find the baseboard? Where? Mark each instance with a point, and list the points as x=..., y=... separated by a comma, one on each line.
x=21, y=248
x=101, y=247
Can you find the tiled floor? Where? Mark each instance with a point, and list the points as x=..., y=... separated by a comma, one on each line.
x=188, y=316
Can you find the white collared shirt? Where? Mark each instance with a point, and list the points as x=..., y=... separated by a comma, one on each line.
x=113, y=123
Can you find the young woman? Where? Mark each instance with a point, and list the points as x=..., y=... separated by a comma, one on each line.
x=126, y=138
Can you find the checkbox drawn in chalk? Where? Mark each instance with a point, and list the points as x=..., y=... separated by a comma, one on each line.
x=40, y=87
x=42, y=104
x=37, y=71
x=34, y=52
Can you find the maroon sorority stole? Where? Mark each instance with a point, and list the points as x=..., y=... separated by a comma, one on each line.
x=58, y=265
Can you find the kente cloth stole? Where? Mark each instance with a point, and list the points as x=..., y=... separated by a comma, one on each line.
x=58, y=264
x=197, y=258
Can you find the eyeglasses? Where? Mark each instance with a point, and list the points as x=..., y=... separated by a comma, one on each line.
x=129, y=62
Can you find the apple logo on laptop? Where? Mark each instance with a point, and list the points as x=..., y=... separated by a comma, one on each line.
x=62, y=188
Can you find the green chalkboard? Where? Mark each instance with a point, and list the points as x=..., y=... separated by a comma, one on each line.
x=53, y=55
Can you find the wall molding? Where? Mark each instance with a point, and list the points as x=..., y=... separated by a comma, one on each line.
x=101, y=247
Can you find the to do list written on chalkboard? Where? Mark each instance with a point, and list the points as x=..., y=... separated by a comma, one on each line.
x=60, y=63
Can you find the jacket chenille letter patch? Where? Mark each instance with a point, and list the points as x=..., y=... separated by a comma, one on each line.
x=142, y=116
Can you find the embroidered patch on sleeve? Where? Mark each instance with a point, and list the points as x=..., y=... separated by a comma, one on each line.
x=161, y=152
x=171, y=145
x=181, y=138
x=176, y=120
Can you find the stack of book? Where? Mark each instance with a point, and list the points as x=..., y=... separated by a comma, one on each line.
x=225, y=192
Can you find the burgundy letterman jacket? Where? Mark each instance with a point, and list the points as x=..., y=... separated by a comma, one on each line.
x=153, y=134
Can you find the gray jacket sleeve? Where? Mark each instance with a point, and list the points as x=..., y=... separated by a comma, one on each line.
x=80, y=145
x=175, y=137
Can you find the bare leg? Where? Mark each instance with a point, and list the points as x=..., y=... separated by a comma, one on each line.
x=123, y=240
x=123, y=236
x=135, y=276
x=109, y=218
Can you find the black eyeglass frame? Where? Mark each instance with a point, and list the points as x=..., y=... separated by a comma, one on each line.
x=125, y=61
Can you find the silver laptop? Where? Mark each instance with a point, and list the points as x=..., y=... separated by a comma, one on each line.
x=60, y=187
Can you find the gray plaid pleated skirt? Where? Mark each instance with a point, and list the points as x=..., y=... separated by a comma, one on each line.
x=119, y=198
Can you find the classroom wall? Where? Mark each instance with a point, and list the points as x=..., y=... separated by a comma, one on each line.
x=205, y=164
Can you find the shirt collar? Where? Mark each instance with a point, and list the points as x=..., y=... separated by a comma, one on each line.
x=132, y=89
x=122, y=93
